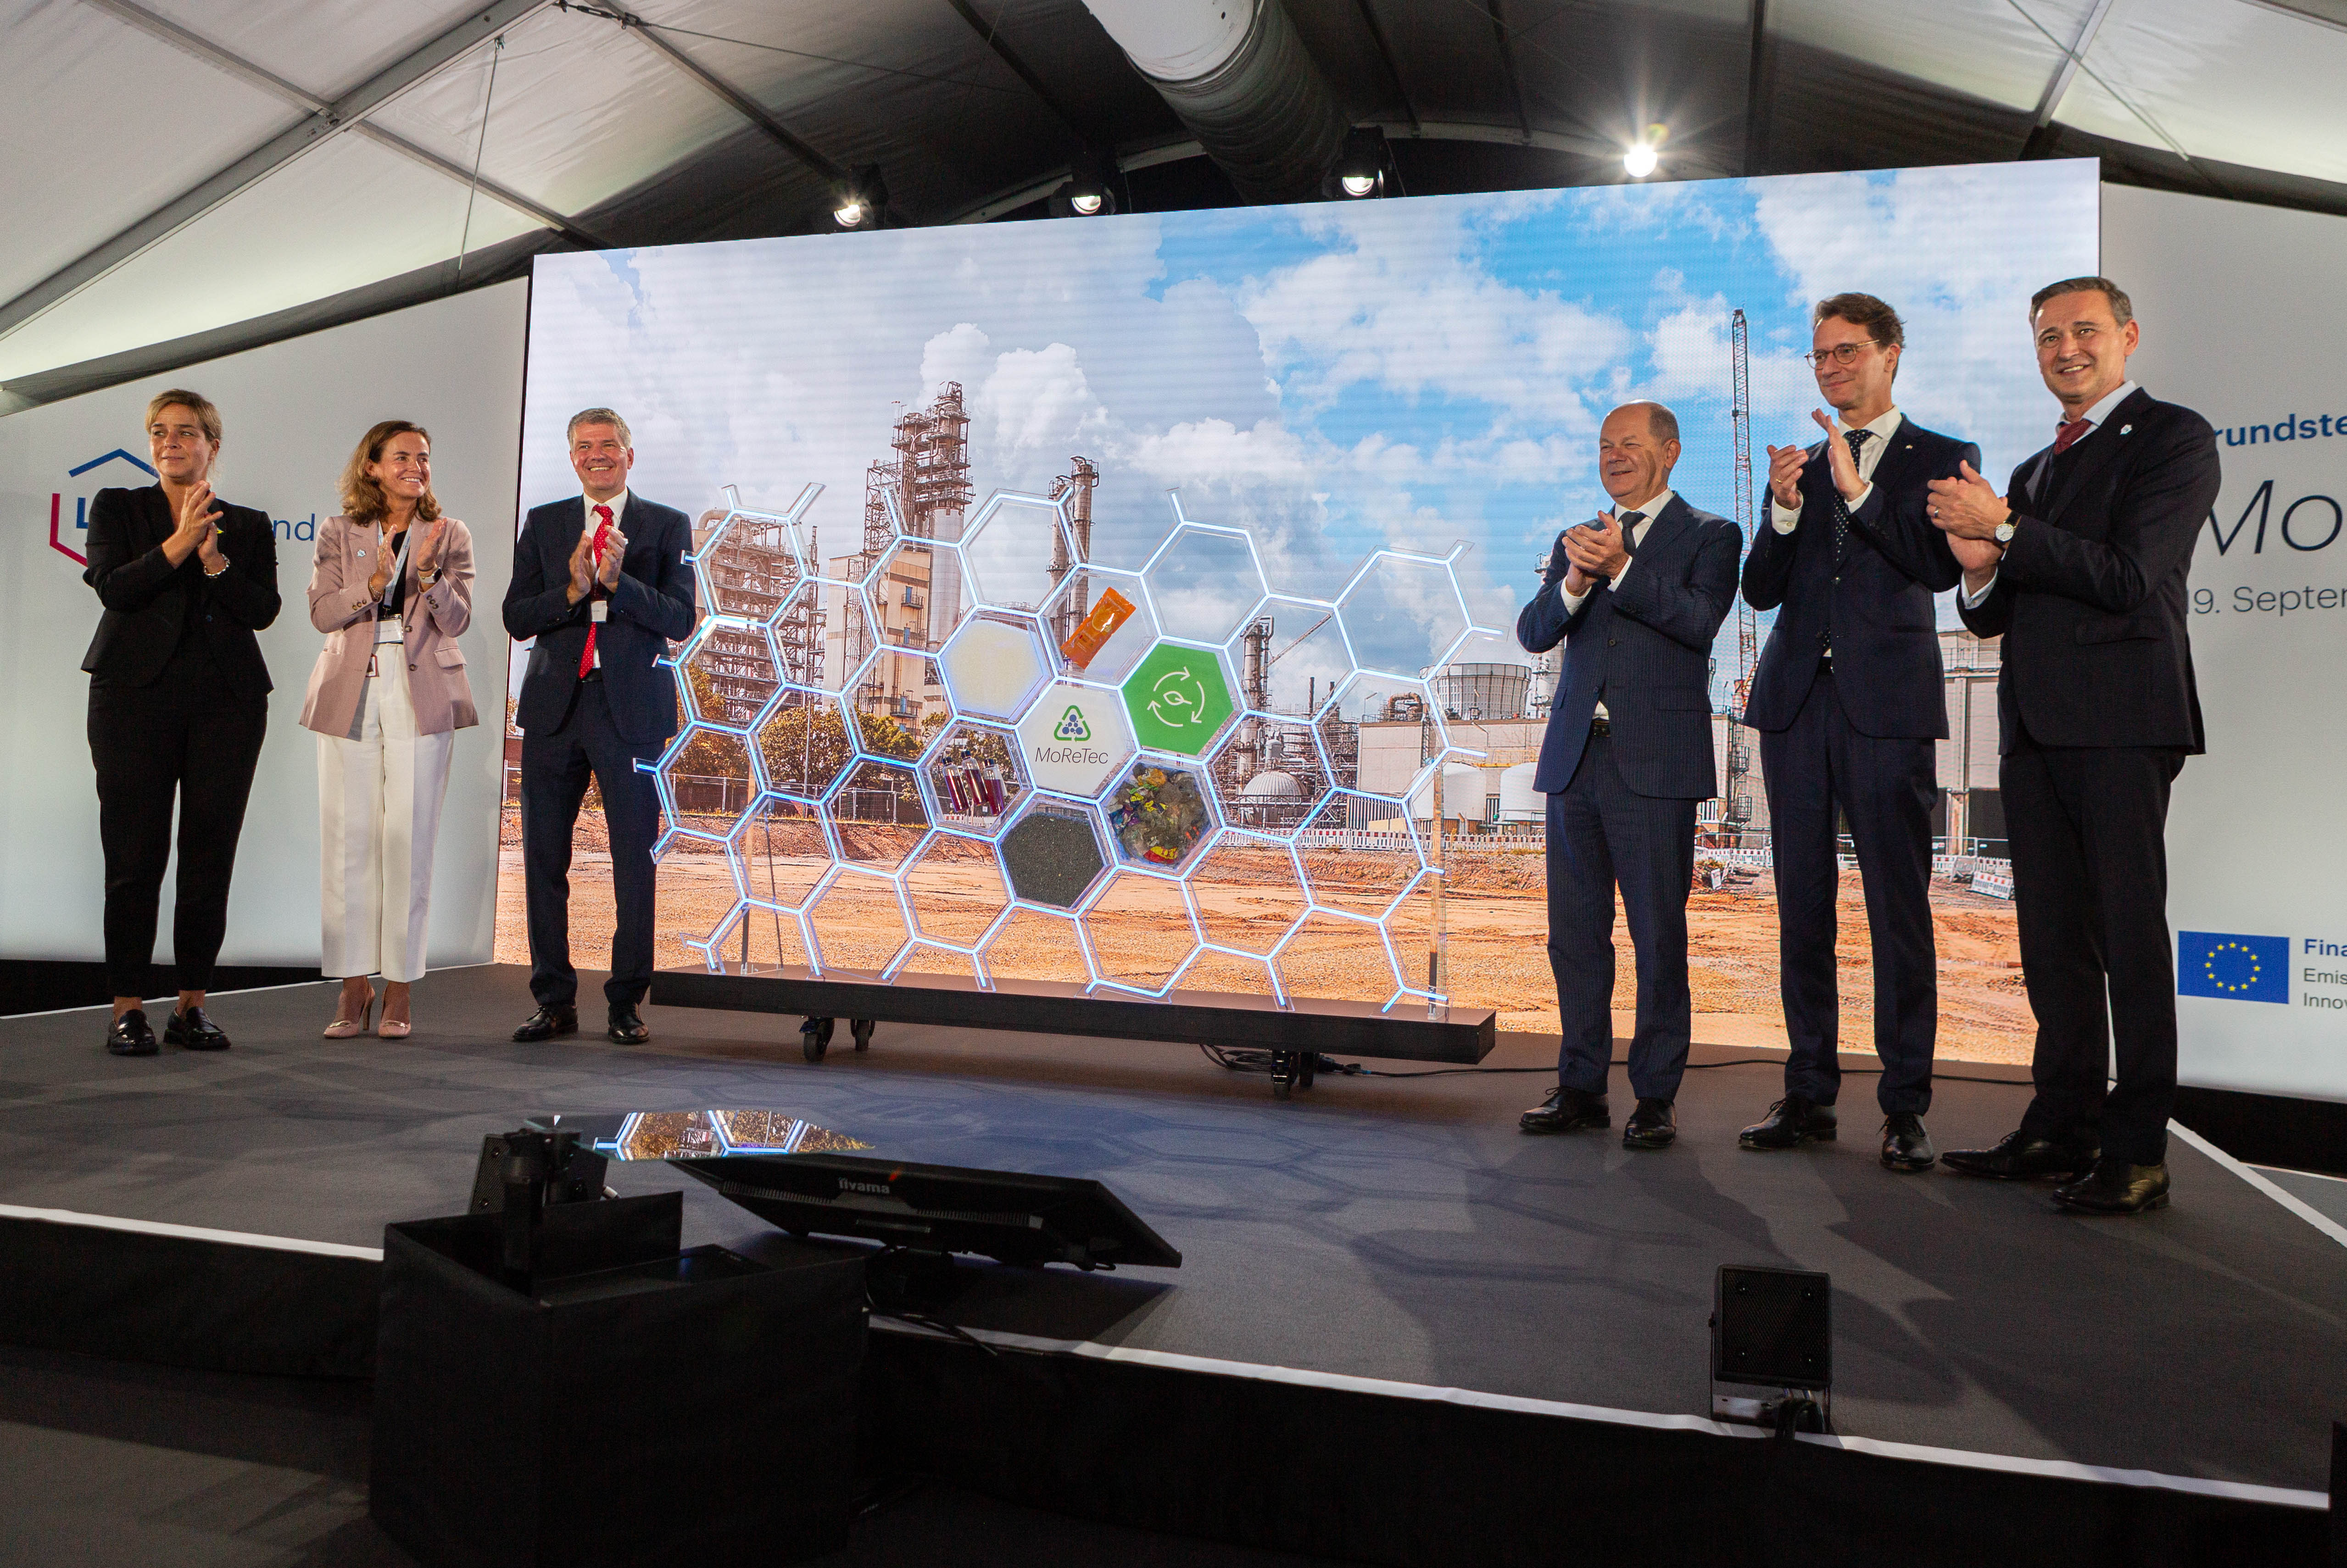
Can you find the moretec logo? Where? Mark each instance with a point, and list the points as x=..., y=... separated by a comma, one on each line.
x=119, y=469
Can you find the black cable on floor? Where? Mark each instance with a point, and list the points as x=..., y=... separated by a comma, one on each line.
x=1237, y=1060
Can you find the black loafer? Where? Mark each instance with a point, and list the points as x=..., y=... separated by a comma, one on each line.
x=130, y=1036
x=1650, y=1126
x=2021, y=1156
x=1906, y=1146
x=191, y=1029
x=546, y=1023
x=2116, y=1187
x=1566, y=1110
x=1790, y=1122
x=627, y=1029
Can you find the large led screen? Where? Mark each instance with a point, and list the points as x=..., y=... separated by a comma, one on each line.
x=1113, y=600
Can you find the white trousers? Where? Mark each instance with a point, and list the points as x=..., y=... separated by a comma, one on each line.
x=379, y=794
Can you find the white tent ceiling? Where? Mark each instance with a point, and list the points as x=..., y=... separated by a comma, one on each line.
x=177, y=168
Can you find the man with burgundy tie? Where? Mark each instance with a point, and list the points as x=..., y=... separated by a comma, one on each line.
x=2081, y=565
x=600, y=581
x=1849, y=701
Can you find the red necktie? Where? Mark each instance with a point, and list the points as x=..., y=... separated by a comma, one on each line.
x=2066, y=436
x=602, y=532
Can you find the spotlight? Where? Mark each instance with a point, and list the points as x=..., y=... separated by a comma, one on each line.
x=1641, y=156
x=1359, y=171
x=860, y=200
x=1087, y=193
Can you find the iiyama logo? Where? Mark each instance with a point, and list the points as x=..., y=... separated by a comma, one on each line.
x=879, y=1188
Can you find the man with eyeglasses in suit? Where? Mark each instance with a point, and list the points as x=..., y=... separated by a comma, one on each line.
x=1849, y=700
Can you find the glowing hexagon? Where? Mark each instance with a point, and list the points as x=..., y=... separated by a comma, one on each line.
x=1052, y=855
x=1248, y=893
x=705, y=781
x=1037, y=945
x=748, y=565
x=728, y=674
x=1011, y=546
x=957, y=891
x=1289, y=656
x=1269, y=775
x=806, y=745
x=879, y=815
x=1075, y=739
x=1355, y=883
x=753, y=939
x=1140, y=931
x=918, y=594
x=1180, y=699
x=782, y=848
x=992, y=667
x=1333, y=956
x=857, y=922
x=1403, y=613
x=976, y=778
x=1229, y=974
x=1099, y=623
x=1204, y=582
x=1160, y=816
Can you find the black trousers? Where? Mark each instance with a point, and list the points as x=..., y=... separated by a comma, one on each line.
x=1601, y=834
x=2089, y=827
x=555, y=769
x=1884, y=787
x=184, y=738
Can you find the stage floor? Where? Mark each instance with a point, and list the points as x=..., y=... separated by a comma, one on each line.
x=1374, y=1227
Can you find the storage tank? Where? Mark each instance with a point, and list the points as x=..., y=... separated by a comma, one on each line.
x=1518, y=801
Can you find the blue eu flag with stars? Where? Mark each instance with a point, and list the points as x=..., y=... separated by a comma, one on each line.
x=2232, y=967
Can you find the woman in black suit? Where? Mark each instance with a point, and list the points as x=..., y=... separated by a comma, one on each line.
x=179, y=700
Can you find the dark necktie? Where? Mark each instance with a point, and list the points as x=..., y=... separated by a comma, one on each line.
x=602, y=532
x=1857, y=439
x=1630, y=521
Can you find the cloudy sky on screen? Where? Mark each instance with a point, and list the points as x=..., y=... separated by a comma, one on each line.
x=1333, y=378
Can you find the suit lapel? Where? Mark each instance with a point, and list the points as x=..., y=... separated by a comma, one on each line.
x=2097, y=452
x=156, y=514
x=1663, y=532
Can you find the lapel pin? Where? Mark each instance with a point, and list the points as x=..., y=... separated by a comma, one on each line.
x=2124, y=428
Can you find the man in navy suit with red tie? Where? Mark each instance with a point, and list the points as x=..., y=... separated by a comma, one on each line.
x=600, y=581
x=1849, y=700
x=2081, y=566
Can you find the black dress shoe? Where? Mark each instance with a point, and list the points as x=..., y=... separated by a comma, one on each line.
x=627, y=1029
x=2019, y=1156
x=1905, y=1145
x=190, y=1029
x=1566, y=1110
x=130, y=1036
x=2116, y=1187
x=1790, y=1122
x=546, y=1022
x=1650, y=1126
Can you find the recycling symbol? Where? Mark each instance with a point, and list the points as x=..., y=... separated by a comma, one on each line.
x=1072, y=726
x=1179, y=698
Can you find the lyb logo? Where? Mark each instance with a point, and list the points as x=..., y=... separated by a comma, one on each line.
x=81, y=504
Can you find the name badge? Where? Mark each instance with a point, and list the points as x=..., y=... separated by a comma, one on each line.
x=599, y=612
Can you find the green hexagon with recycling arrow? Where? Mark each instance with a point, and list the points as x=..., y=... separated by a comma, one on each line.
x=1178, y=699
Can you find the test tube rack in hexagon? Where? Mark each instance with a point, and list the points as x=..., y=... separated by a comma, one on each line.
x=1081, y=789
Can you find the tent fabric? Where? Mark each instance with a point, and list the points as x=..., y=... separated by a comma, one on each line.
x=971, y=107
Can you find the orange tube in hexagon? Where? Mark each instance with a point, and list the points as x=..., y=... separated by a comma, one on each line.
x=1085, y=641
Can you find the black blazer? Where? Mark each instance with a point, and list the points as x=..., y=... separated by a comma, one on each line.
x=2090, y=597
x=149, y=601
x=1877, y=599
x=653, y=606
x=1645, y=647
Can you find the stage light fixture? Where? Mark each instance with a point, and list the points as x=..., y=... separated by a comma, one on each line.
x=1642, y=157
x=1088, y=191
x=1359, y=171
x=859, y=201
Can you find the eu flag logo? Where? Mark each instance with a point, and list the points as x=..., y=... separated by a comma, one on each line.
x=2236, y=968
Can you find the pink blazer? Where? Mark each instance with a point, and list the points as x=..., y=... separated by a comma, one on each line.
x=431, y=623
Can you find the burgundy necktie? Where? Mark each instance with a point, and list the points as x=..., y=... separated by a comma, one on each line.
x=2066, y=436
x=602, y=532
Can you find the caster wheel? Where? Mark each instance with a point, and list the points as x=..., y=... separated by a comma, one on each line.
x=860, y=1030
x=1307, y=1062
x=815, y=1038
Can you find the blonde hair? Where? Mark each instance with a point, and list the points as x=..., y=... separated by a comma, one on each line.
x=195, y=402
x=362, y=499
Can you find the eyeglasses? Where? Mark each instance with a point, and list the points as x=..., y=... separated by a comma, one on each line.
x=1840, y=353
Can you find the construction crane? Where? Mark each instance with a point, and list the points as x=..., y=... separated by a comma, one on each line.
x=1737, y=815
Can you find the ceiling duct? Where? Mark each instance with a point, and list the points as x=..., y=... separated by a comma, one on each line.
x=1238, y=74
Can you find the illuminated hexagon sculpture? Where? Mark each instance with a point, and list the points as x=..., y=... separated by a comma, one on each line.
x=978, y=754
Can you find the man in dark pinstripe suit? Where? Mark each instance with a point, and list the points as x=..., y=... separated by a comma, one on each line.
x=1635, y=597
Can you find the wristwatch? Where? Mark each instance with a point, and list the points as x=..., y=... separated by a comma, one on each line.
x=2004, y=532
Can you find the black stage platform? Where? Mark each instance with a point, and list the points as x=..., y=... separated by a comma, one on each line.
x=1390, y=1243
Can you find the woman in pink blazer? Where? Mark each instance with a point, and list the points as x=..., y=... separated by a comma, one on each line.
x=392, y=590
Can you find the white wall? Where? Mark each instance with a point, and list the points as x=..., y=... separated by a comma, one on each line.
x=2242, y=320
x=292, y=411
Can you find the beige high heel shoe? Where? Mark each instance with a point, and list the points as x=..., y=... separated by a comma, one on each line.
x=349, y=1027
x=394, y=1029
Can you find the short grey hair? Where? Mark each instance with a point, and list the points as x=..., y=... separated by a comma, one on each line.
x=610, y=416
x=2122, y=308
x=1661, y=423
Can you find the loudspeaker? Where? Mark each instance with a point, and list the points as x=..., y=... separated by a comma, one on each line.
x=1772, y=1326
